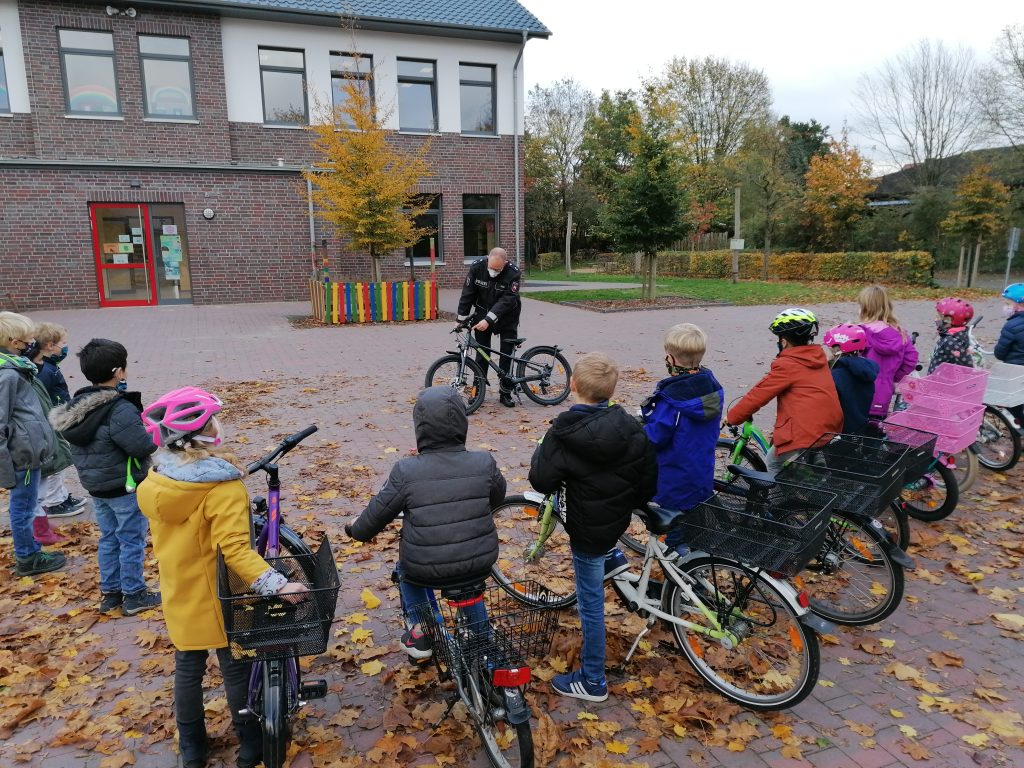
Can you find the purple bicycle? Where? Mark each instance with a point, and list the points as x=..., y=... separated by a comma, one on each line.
x=272, y=632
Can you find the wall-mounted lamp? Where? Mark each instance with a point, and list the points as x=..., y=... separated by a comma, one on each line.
x=209, y=213
x=134, y=183
x=131, y=13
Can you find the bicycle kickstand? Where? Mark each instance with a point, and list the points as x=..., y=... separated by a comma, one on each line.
x=651, y=620
x=452, y=701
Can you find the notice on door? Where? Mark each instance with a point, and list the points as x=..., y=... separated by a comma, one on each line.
x=170, y=253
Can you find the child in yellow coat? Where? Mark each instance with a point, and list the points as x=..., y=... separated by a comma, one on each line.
x=195, y=502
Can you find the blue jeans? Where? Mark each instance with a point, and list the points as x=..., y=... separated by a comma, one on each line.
x=24, y=496
x=590, y=596
x=414, y=594
x=122, y=545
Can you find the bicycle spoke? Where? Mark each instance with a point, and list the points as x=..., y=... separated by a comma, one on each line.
x=518, y=522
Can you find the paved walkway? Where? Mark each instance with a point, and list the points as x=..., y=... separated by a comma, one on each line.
x=533, y=286
x=100, y=687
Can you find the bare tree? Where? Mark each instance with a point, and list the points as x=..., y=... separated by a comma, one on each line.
x=1000, y=88
x=919, y=108
x=713, y=103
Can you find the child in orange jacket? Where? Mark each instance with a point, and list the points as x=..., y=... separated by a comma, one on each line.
x=800, y=379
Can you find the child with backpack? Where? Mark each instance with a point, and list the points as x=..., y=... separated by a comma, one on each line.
x=888, y=345
x=197, y=506
x=609, y=468
x=853, y=374
x=953, y=344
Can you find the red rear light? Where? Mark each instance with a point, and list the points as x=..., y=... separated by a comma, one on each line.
x=803, y=599
x=512, y=677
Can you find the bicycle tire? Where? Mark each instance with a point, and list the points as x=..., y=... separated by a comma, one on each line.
x=274, y=719
x=853, y=580
x=896, y=522
x=933, y=496
x=965, y=468
x=997, y=430
x=555, y=388
x=761, y=610
x=473, y=390
x=517, y=520
x=291, y=544
x=520, y=746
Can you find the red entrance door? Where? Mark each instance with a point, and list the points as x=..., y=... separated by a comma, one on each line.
x=123, y=248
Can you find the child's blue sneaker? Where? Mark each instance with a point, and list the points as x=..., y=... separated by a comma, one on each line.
x=575, y=686
x=614, y=563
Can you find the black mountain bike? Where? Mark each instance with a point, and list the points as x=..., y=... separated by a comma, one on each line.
x=542, y=373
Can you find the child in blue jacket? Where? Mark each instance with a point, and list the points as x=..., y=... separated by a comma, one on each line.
x=1010, y=347
x=854, y=375
x=681, y=420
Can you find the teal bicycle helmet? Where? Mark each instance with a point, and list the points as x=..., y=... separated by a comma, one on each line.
x=1014, y=293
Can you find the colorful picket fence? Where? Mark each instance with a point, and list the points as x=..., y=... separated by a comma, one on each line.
x=341, y=303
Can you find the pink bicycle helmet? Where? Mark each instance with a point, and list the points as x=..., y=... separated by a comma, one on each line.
x=957, y=310
x=849, y=338
x=178, y=415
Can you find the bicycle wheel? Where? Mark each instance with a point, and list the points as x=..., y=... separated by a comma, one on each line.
x=723, y=457
x=998, y=444
x=276, y=733
x=934, y=495
x=507, y=745
x=635, y=537
x=555, y=371
x=896, y=523
x=852, y=581
x=518, y=522
x=775, y=660
x=471, y=383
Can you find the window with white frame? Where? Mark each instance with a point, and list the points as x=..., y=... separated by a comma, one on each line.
x=417, y=95
x=429, y=219
x=477, y=98
x=479, y=225
x=5, y=96
x=90, y=79
x=167, y=76
x=283, y=78
x=348, y=70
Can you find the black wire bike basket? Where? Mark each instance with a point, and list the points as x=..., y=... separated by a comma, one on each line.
x=511, y=634
x=920, y=447
x=777, y=527
x=260, y=627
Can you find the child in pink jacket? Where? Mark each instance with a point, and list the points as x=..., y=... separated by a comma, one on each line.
x=888, y=345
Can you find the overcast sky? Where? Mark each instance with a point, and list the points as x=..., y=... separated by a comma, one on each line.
x=812, y=52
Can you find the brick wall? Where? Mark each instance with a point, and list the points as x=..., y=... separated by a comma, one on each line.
x=60, y=137
x=256, y=249
x=16, y=136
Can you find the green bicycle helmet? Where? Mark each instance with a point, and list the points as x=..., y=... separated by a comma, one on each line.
x=797, y=324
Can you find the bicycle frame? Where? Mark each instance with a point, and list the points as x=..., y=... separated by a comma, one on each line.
x=469, y=346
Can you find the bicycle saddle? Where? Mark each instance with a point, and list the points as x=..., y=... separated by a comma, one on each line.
x=464, y=591
x=517, y=342
x=658, y=519
x=755, y=478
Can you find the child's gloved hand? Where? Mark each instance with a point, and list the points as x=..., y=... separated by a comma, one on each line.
x=293, y=592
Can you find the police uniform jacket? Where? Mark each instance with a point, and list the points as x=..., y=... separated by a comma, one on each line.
x=493, y=298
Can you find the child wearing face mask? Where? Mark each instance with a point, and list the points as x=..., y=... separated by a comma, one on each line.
x=110, y=449
x=954, y=343
x=55, y=501
x=1010, y=347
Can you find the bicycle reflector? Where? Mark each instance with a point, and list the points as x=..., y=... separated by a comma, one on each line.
x=510, y=677
x=803, y=600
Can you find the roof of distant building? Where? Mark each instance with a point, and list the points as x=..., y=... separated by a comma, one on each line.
x=1007, y=166
x=503, y=17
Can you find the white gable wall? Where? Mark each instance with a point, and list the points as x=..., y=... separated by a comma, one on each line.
x=242, y=38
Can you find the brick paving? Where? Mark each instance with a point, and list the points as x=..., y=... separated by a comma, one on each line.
x=357, y=384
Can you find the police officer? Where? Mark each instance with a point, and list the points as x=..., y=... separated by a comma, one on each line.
x=491, y=297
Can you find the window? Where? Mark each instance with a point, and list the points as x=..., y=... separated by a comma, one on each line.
x=476, y=98
x=283, y=74
x=346, y=68
x=166, y=76
x=429, y=219
x=5, y=97
x=479, y=224
x=417, y=95
x=90, y=83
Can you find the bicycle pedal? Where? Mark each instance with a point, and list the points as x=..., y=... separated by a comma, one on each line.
x=313, y=689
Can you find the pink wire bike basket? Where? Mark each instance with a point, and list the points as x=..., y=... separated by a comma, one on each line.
x=948, y=381
x=954, y=432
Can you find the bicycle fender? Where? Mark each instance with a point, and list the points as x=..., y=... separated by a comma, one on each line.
x=818, y=624
x=895, y=554
x=536, y=498
x=516, y=709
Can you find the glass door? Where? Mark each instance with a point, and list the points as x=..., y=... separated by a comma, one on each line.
x=124, y=254
x=170, y=243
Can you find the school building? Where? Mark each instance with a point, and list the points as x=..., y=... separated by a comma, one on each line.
x=151, y=152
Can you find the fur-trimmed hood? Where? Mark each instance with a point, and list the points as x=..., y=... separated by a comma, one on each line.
x=79, y=420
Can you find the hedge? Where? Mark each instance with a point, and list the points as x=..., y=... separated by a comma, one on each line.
x=549, y=260
x=908, y=267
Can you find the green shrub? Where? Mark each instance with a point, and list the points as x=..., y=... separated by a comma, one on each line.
x=549, y=260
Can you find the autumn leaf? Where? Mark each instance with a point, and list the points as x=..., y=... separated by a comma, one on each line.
x=369, y=599
x=1013, y=622
x=345, y=716
x=941, y=659
x=545, y=739
x=328, y=495
x=616, y=747
x=915, y=750
x=909, y=731
x=586, y=716
x=356, y=618
x=361, y=635
x=118, y=760
x=896, y=713
x=371, y=668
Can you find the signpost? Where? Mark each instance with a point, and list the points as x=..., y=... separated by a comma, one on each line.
x=1014, y=244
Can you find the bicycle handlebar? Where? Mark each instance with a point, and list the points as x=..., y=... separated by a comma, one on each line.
x=282, y=448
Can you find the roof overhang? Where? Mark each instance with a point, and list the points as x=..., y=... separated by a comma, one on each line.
x=246, y=11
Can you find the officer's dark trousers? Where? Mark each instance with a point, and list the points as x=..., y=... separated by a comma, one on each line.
x=504, y=362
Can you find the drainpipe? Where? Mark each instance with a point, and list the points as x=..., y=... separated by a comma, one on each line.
x=515, y=145
x=312, y=226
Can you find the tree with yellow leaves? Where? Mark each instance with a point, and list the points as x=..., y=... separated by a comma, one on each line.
x=835, y=197
x=364, y=185
x=979, y=212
